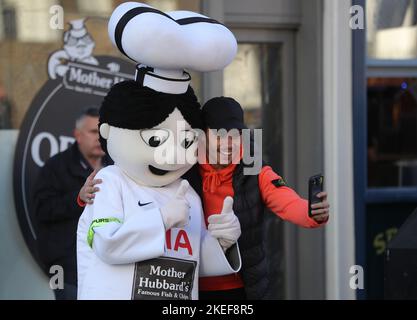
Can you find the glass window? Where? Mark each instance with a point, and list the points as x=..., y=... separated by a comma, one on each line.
x=392, y=106
x=26, y=41
x=254, y=78
x=242, y=81
x=390, y=27
x=392, y=132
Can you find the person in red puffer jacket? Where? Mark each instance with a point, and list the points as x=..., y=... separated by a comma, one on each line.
x=251, y=194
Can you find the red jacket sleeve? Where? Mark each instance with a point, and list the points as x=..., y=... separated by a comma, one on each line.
x=284, y=201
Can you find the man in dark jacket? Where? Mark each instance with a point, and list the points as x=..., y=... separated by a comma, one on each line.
x=55, y=198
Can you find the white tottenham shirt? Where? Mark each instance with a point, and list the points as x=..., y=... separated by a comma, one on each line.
x=132, y=256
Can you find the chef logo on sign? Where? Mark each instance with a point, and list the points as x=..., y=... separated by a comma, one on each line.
x=77, y=80
x=76, y=65
x=78, y=47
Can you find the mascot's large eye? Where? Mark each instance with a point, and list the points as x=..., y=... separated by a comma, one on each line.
x=154, y=137
x=187, y=138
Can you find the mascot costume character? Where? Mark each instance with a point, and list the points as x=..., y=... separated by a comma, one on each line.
x=145, y=236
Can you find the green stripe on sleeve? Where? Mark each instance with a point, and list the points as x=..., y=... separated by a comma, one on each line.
x=98, y=223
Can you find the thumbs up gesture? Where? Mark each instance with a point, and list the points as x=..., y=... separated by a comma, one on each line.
x=176, y=212
x=225, y=226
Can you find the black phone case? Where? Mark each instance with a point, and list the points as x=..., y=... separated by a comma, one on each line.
x=315, y=186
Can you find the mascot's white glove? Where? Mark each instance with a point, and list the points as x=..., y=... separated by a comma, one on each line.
x=225, y=226
x=175, y=213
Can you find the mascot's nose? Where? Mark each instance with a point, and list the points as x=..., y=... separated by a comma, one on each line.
x=171, y=155
x=172, y=158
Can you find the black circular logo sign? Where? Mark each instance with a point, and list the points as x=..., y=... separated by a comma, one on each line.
x=77, y=80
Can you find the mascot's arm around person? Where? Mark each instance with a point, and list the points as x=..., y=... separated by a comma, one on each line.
x=144, y=237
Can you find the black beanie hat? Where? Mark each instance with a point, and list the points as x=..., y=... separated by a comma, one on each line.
x=223, y=113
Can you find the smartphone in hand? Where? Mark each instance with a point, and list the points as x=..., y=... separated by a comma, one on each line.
x=315, y=186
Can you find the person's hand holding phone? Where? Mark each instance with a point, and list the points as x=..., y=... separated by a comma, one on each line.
x=317, y=199
x=320, y=210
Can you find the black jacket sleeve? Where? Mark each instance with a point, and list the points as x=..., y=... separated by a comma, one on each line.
x=52, y=201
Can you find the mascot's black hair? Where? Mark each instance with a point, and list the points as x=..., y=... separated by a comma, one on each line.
x=131, y=106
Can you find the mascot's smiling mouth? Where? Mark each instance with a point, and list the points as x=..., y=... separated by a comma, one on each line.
x=158, y=172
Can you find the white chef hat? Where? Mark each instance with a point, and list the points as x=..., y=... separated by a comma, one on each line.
x=166, y=44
